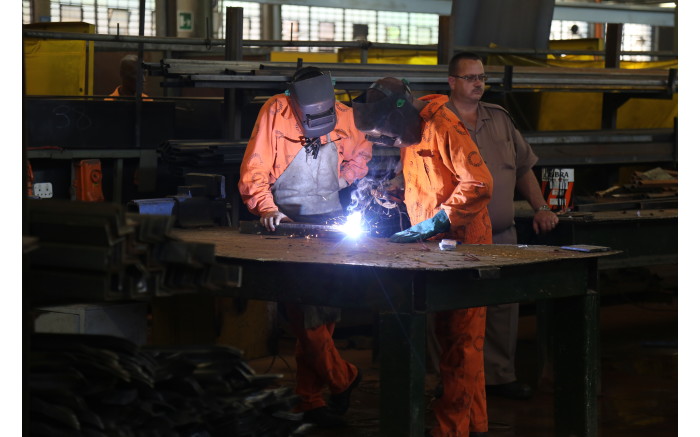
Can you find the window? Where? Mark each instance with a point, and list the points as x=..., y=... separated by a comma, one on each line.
x=636, y=38
x=561, y=29
x=300, y=23
x=295, y=25
x=118, y=21
x=362, y=19
x=290, y=32
x=424, y=35
x=392, y=34
x=70, y=13
x=423, y=28
x=251, y=19
x=99, y=13
x=323, y=22
x=26, y=11
x=394, y=25
x=335, y=24
x=326, y=31
x=360, y=32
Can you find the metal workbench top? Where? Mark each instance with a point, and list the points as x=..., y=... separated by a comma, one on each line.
x=643, y=237
x=372, y=252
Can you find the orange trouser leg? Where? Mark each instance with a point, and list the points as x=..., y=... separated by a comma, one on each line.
x=462, y=407
x=319, y=363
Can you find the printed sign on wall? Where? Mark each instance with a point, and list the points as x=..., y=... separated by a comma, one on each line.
x=558, y=188
x=184, y=21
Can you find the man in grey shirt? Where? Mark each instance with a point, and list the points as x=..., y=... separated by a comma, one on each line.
x=510, y=160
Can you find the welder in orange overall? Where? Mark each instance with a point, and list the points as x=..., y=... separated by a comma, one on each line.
x=303, y=150
x=447, y=190
x=129, y=74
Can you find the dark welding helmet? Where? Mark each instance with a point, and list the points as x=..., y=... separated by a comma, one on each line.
x=312, y=98
x=391, y=120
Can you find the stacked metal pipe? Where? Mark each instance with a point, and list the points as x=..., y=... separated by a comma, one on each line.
x=99, y=252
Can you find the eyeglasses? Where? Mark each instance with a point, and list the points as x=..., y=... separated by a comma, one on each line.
x=472, y=77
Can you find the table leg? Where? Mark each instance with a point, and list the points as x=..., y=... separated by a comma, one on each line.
x=402, y=375
x=576, y=364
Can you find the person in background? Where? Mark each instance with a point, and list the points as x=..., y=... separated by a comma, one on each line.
x=303, y=150
x=129, y=74
x=447, y=189
x=510, y=160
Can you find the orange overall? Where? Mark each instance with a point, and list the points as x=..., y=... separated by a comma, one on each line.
x=319, y=363
x=446, y=171
x=116, y=93
x=275, y=142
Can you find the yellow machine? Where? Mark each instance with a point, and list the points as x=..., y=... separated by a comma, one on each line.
x=59, y=67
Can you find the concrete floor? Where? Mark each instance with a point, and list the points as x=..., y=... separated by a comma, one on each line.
x=639, y=363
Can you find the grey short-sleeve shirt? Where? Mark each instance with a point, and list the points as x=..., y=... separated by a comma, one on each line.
x=507, y=155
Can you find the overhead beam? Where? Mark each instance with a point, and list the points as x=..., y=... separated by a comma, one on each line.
x=614, y=13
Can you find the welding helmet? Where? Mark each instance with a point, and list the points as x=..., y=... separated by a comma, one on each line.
x=389, y=118
x=312, y=98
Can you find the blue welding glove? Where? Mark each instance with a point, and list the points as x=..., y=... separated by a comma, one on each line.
x=427, y=228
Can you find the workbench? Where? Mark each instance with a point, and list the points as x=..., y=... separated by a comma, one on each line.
x=403, y=282
x=644, y=237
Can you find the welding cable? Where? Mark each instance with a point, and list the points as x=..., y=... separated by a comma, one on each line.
x=272, y=363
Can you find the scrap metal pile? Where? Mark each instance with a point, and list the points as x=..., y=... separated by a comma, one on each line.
x=95, y=385
x=99, y=252
x=652, y=189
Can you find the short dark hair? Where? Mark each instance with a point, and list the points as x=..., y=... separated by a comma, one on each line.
x=452, y=68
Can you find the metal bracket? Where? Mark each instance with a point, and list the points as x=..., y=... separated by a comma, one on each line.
x=489, y=272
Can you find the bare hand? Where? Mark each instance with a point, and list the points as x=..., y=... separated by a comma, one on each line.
x=272, y=219
x=544, y=221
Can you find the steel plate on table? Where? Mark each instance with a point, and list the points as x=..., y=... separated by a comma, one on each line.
x=292, y=230
x=373, y=252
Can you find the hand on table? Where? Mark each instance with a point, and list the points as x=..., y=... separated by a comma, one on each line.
x=544, y=221
x=271, y=219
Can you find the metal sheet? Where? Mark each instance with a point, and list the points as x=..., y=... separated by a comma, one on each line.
x=371, y=252
x=292, y=230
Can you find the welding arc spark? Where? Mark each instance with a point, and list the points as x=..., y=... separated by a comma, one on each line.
x=378, y=207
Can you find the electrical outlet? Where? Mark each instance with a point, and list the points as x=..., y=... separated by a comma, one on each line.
x=43, y=190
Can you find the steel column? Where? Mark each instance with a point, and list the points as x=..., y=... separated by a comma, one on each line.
x=234, y=52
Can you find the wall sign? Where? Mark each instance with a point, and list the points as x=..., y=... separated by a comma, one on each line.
x=184, y=21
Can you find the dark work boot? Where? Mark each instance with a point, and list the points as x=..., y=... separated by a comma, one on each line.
x=510, y=390
x=428, y=433
x=324, y=418
x=340, y=402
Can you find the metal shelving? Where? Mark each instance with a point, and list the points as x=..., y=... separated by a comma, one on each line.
x=270, y=75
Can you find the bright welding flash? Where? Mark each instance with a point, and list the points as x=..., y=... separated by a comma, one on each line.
x=353, y=225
